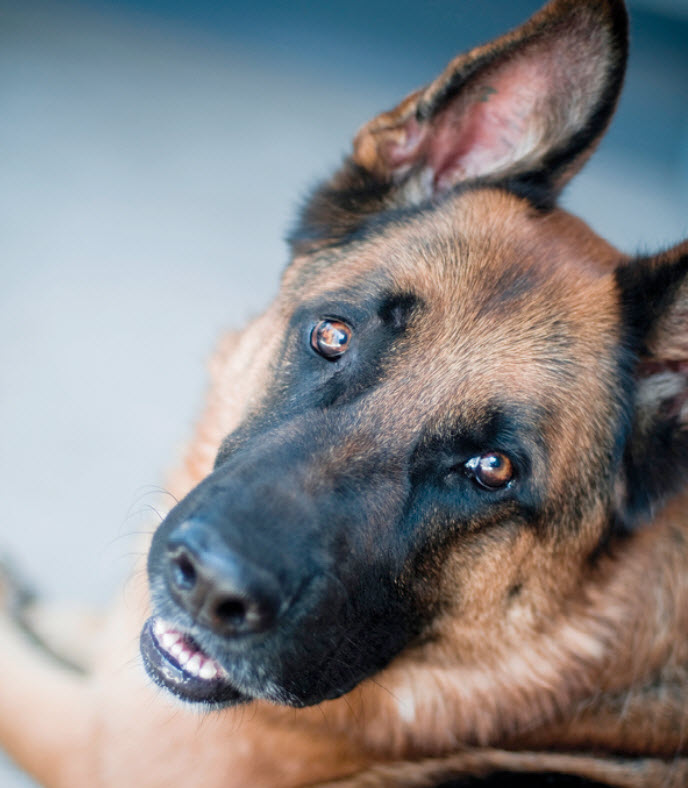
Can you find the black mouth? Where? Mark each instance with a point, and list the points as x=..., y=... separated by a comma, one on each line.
x=174, y=661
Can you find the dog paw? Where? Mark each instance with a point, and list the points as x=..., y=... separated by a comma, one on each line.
x=15, y=593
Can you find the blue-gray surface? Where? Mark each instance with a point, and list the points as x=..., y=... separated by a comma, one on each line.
x=152, y=154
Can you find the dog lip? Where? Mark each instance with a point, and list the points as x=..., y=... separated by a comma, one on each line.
x=204, y=681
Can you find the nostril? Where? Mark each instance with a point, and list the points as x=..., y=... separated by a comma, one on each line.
x=219, y=588
x=231, y=612
x=238, y=613
x=183, y=572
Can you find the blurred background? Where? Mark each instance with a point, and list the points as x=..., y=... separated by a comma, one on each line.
x=153, y=153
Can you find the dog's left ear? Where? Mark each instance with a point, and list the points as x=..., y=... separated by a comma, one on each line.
x=529, y=106
x=524, y=111
x=654, y=296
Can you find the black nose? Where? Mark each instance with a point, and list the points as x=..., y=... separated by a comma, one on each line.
x=218, y=588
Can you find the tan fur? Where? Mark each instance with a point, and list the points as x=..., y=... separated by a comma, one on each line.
x=544, y=653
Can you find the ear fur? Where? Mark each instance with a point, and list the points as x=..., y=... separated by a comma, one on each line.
x=655, y=302
x=524, y=111
x=533, y=102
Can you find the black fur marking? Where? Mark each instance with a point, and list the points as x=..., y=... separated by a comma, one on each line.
x=515, y=591
x=533, y=187
x=337, y=207
x=656, y=454
x=646, y=290
x=307, y=490
x=312, y=229
x=396, y=309
x=441, y=485
x=325, y=538
x=655, y=469
x=303, y=380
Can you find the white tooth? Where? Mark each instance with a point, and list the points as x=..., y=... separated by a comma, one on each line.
x=193, y=665
x=177, y=649
x=183, y=658
x=208, y=671
x=158, y=627
x=169, y=639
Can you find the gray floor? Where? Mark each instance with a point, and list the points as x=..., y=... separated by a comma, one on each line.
x=151, y=164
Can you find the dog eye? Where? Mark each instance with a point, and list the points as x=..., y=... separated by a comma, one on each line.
x=492, y=470
x=331, y=338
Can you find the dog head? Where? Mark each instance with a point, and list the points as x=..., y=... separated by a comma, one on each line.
x=460, y=396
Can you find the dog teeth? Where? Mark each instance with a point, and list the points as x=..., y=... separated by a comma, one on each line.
x=193, y=665
x=194, y=662
x=169, y=639
x=208, y=670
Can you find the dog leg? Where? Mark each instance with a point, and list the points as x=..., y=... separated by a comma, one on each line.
x=69, y=634
x=45, y=705
x=66, y=633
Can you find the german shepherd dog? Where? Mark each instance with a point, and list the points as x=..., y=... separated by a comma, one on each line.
x=433, y=527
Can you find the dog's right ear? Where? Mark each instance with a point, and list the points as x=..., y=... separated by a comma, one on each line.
x=654, y=298
x=525, y=110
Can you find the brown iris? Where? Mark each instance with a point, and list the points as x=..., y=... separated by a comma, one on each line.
x=492, y=470
x=331, y=338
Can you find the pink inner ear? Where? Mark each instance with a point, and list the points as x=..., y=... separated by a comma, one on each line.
x=500, y=122
x=497, y=127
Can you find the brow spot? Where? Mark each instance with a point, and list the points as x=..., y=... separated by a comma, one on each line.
x=514, y=592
